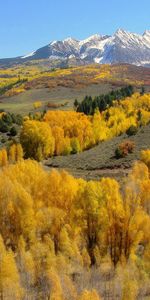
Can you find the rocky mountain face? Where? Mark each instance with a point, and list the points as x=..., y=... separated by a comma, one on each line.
x=122, y=47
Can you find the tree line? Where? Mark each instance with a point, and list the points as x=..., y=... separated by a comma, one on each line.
x=102, y=102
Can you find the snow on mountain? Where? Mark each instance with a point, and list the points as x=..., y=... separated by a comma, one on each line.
x=121, y=47
x=92, y=39
x=28, y=55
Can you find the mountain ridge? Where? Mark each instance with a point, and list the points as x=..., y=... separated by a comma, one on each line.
x=121, y=47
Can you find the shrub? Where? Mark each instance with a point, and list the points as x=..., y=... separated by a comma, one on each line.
x=118, y=153
x=13, y=131
x=37, y=104
x=132, y=130
x=7, y=118
x=4, y=127
x=124, y=149
x=17, y=119
x=3, y=140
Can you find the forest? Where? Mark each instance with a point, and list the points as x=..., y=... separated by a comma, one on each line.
x=69, y=239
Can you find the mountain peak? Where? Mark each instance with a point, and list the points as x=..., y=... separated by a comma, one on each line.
x=70, y=39
x=121, y=47
x=120, y=31
x=146, y=32
x=94, y=37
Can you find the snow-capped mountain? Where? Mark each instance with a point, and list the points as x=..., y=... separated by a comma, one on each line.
x=122, y=47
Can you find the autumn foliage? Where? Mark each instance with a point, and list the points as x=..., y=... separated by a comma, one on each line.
x=37, y=140
x=69, y=132
x=145, y=157
x=12, y=155
x=124, y=149
x=68, y=239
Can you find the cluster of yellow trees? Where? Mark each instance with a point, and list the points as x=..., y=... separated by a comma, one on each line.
x=68, y=239
x=14, y=154
x=62, y=132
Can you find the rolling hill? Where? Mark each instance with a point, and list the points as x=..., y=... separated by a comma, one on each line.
x=22, y=85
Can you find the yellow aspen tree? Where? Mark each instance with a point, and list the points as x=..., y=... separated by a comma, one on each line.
x=55, y=292
x=12, y=153
x=144, y=195
x=58, y=134
x=114, y=218
x=26, y=265
x=75, y=145
x=130, y=286
x=86, y=258
x=10, y=287
x=19, y=152
x=145, y=157
x=4, y=158
x=66, y=149
x=88, y=210
x=65, y=187
x=69, y=289
x=65, y=244
x=37, y=140
x=136, y=220
x=0, y=158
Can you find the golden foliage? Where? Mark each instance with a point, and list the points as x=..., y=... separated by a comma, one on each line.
x=145, y=157
x=64, y=132
x=53, y=226
x=37, y=140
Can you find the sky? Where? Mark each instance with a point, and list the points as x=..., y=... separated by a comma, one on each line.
x=26, y=25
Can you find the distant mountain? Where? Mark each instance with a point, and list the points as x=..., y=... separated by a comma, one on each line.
x=122, y=47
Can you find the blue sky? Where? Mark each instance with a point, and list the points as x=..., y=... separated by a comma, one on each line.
x=26, y=25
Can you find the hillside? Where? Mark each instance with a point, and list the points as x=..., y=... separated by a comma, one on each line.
x=21, y=86
x=100, y=161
